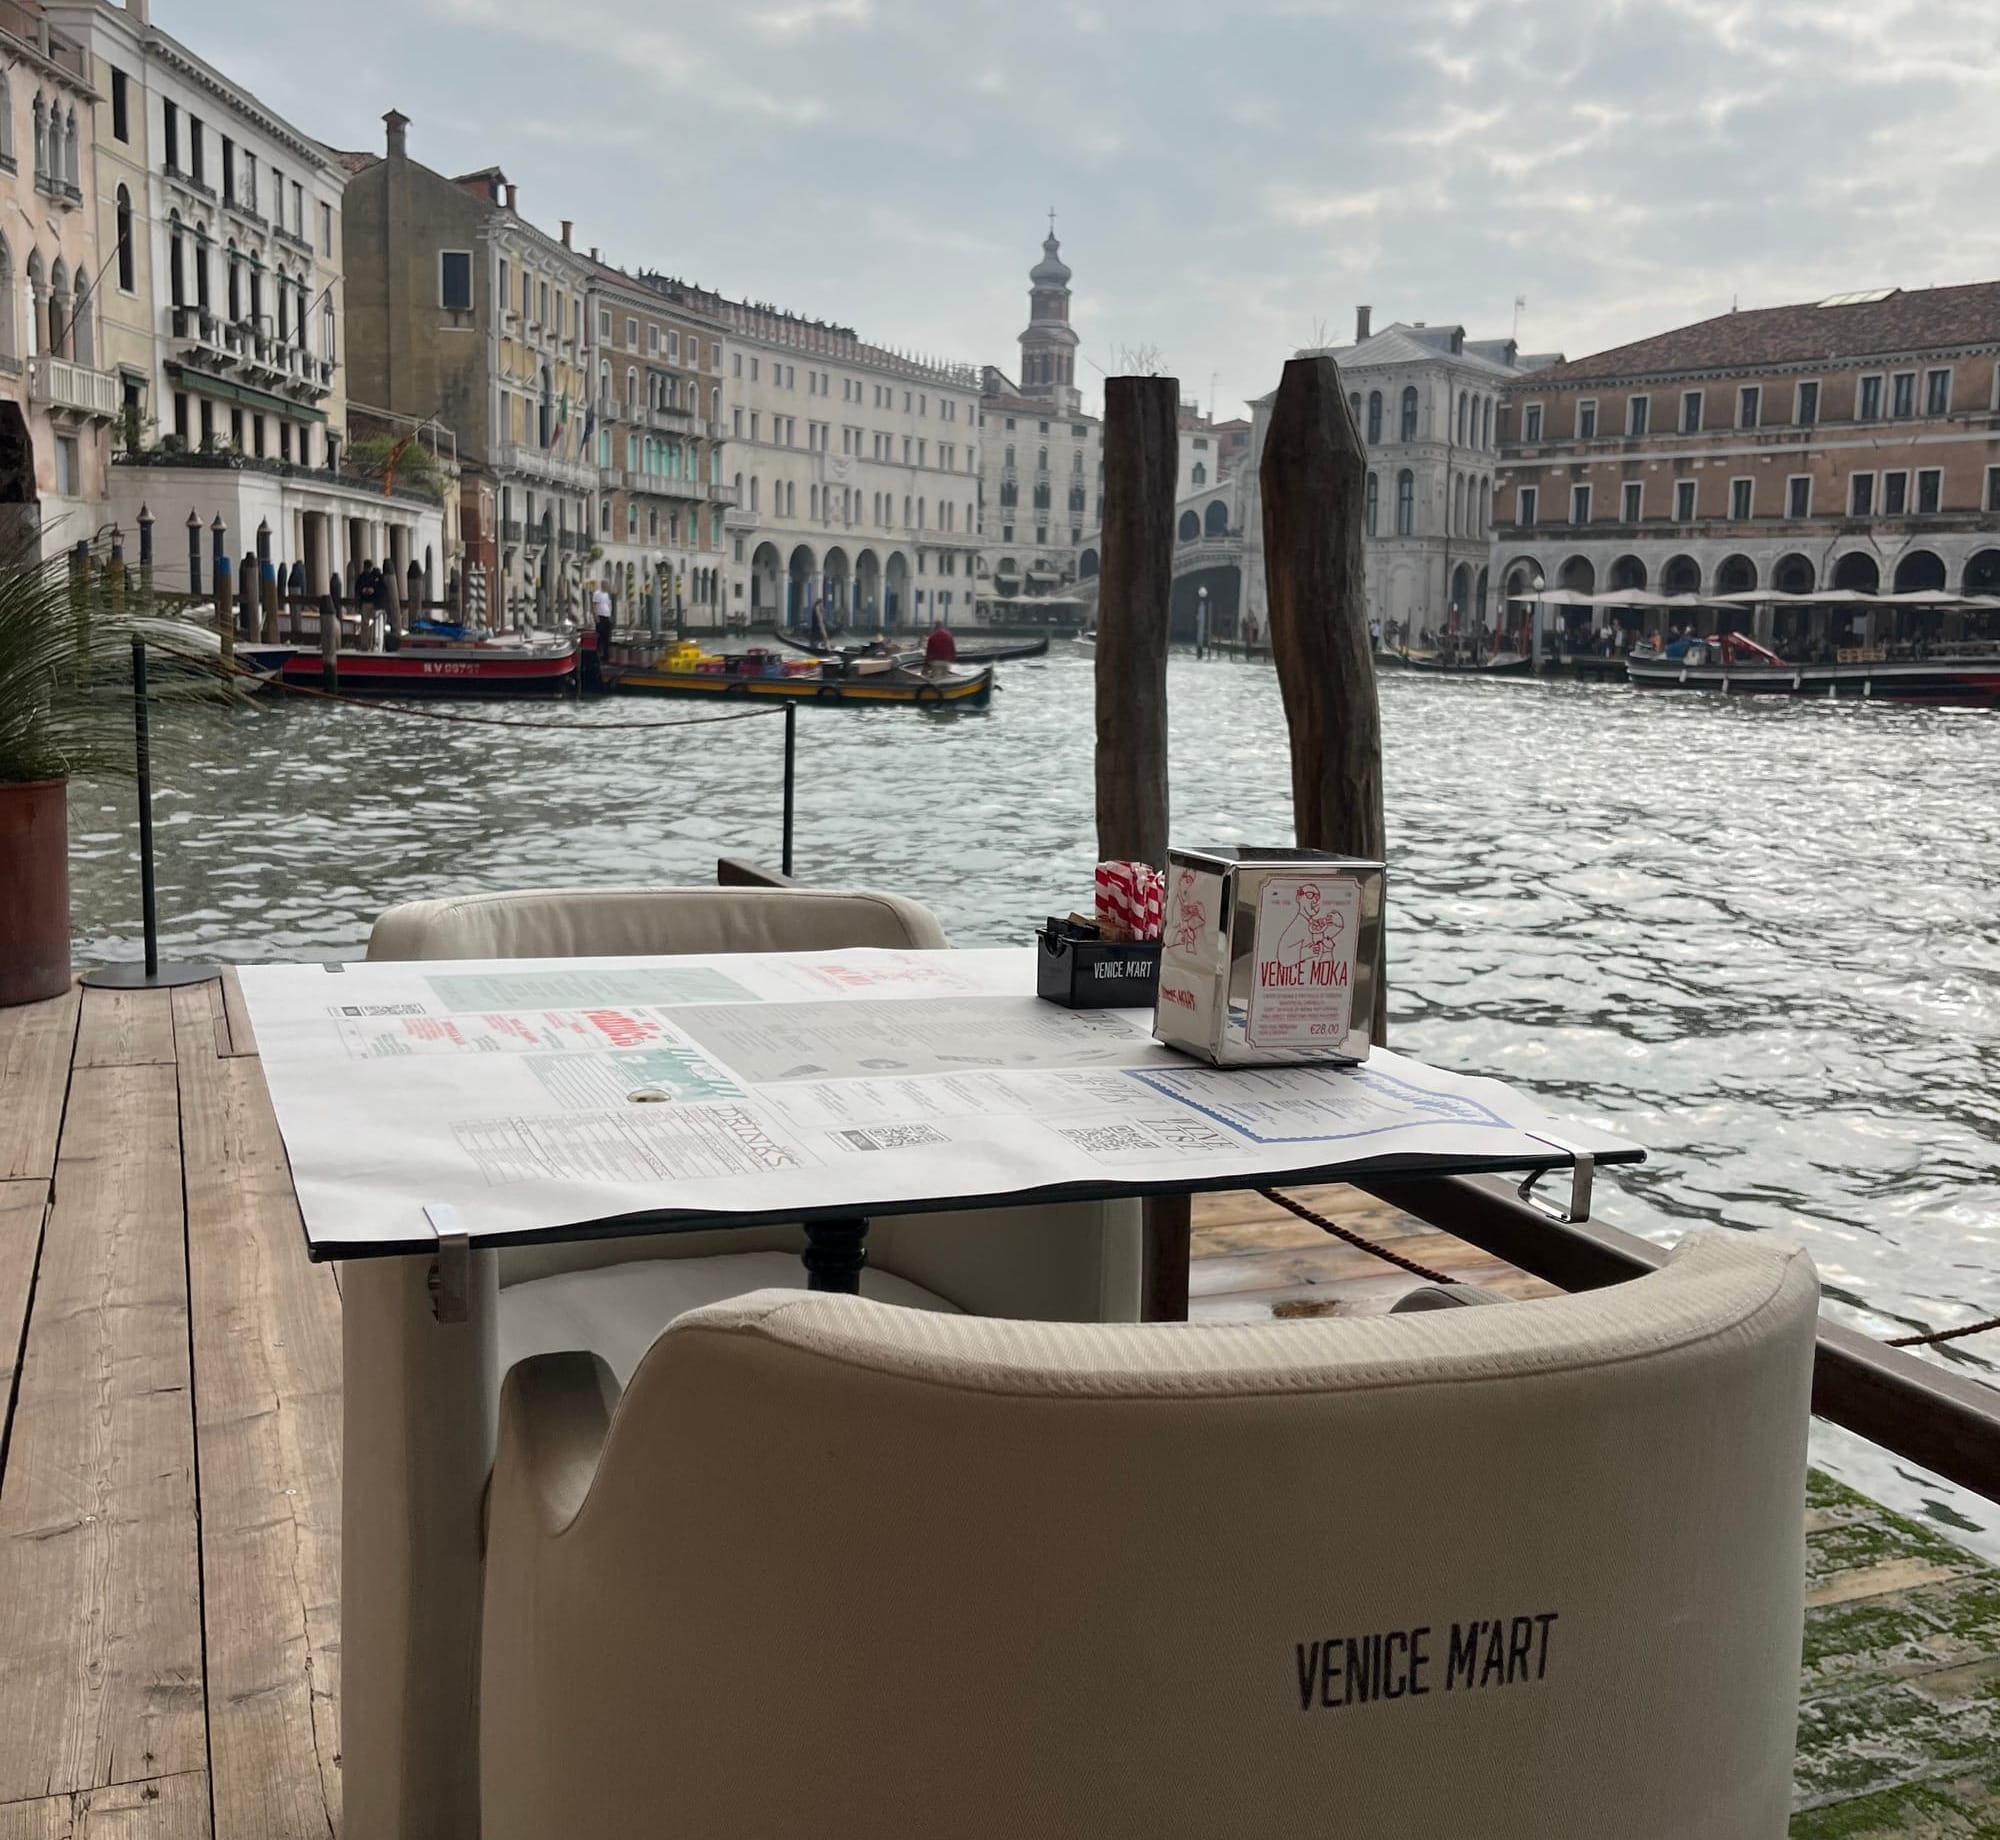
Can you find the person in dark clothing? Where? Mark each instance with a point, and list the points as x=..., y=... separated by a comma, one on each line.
x=940, y=648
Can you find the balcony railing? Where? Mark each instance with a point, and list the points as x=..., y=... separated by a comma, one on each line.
x=524, y=457
x=59, y=383
x=510, y=530
x=671, y=421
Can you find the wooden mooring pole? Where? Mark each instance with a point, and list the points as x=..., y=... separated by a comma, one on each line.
x=1134, y=609
x=1314, y=478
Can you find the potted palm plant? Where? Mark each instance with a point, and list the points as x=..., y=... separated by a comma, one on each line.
x=65, y=710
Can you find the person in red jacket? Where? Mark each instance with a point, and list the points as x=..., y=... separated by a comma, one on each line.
x=940, y=648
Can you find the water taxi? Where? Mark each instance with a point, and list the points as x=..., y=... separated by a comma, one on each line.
x=685, y=670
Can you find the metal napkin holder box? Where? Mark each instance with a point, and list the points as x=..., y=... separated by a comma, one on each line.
x=1269, y=956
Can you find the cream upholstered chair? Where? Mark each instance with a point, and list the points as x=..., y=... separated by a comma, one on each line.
x=833, y=1569
x=1071, y=1263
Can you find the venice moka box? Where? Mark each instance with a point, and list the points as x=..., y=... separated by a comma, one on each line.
x=1269, y=957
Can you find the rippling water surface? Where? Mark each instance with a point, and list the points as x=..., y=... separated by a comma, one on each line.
x=1762, y=939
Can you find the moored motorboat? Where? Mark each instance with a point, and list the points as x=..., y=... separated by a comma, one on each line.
x=1736, y=665
x=512, y=665
x=854, y=681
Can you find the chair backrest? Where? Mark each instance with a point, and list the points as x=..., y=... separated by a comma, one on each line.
x=847, y=1570
x=616, y=922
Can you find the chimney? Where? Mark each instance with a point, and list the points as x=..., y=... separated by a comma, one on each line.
x=140, y=12
x=1361, y=324
x=593, y=252
x=399, y=134
x=568, y=224
x=512, y=191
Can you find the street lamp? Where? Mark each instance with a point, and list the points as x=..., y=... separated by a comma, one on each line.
x=1201, y=622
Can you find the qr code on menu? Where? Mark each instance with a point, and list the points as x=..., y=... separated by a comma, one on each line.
x=358, y=1010
x=889, y=1137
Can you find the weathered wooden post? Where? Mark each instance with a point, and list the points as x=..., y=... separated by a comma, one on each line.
x=392, y=626
x=194, y=554
x=267, y=583
x=146, y=556
x=1314, y=479
x=1134, y=611
x=225, y=606
x=329, y=634
x=114, y=572
x=246, y=596
x=1134, y=604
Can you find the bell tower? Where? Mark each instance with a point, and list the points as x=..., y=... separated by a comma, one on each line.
x=1048, y=346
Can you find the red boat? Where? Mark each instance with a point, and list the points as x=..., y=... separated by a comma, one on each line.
x=538, y=665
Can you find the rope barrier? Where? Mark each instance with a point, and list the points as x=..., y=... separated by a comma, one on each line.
x=447, y=715
x=1355, y=1240
x=1935, y=1336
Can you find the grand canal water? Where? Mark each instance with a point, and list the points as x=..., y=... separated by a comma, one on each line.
x=1762, y=939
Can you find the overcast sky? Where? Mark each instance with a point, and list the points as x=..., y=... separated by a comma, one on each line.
x=1231, y=177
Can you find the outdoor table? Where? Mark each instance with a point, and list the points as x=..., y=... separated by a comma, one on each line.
x=436, y=1111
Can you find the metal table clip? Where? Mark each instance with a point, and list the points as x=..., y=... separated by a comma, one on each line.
x=451, y=1270
x=1582, y=1169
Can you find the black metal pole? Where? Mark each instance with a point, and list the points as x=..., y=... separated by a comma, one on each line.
x=149, y=905
x=791, y=762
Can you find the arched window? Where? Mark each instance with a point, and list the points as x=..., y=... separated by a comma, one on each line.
x=1190, y=527
x=631, y=387
x=1374, y=417
x=326, y=322
x=1076, y=463
x=545, y=421
x=125, y=276
x=83, y=339
x=257, y=292
x=71, y=172
x=6, y=288
x=1486, y=426
x=37, y=294
x=1010, y=459
x=1486, y=502
x=235, y=284
x=1464, y=404
x=1042, y=460
x=6, y=117
x=1458, y=506
x=1409, y=412
x=1200, y=474
x=58, y=346
x=176, y=261
x=284, y=309
x=1216, y=523
x=1406, y=502
x=1374, y=501
x=41, y=138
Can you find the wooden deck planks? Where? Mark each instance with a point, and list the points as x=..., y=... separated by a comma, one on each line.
x=266, y=1334
x=23, y=1205
x=125, y=1028
x=162, y=1808
x=35, y=1044
x=235, y=1016
x=100, y=1636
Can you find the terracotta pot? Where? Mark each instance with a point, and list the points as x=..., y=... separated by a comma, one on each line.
x=34, y=891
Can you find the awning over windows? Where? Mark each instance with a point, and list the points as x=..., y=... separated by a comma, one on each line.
x=227, y=389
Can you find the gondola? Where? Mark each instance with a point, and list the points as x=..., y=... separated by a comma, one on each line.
x=1507, y=664
x=967, y=655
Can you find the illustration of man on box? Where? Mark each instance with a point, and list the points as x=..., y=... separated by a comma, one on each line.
x=1312, y=935
x=1189, y=914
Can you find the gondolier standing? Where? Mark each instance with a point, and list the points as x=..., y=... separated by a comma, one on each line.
x=940, y=649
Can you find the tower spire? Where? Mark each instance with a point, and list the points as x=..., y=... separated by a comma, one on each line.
x=1048, y=346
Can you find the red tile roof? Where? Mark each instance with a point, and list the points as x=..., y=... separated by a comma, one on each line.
x=356, y=162
x=1925, y=319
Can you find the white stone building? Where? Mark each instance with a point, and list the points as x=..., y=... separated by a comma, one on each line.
x=1426, y=403
x=853, y=475
x=220, y=227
